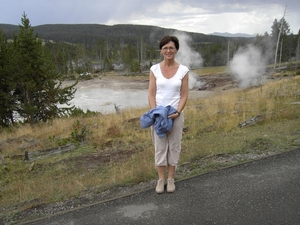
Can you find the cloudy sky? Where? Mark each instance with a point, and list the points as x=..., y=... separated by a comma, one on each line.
x=233, y=16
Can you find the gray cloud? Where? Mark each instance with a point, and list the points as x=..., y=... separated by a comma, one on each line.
x=191, y=15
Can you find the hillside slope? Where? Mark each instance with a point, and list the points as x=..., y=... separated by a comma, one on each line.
x=90, y=33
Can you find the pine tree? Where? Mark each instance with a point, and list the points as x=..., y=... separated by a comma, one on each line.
x=7, y=102
x=38, y=90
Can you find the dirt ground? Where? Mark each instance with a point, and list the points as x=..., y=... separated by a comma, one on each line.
x=211, y=84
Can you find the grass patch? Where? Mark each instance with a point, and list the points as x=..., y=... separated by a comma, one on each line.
x=212, y=70
x=112, y=150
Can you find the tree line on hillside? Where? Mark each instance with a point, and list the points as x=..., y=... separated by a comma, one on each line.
x=33, y=61
x=88, y=34
x=79, y=48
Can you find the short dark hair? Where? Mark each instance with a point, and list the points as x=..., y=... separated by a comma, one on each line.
x=166, y=39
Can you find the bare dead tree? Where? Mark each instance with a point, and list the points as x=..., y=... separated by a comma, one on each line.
x=117, y=108
x=298, y=51
x=278, y=39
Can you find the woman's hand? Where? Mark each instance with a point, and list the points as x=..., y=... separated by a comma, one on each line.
x=174, y=115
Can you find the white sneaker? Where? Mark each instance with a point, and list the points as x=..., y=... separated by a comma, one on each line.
x=160, y=187
x=171, y=186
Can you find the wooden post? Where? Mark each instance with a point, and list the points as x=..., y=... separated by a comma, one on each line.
x=26, y=156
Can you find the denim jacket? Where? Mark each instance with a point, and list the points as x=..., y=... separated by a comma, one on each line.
x=159, y=118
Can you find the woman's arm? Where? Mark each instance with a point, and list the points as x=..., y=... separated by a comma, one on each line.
x=184, y=93
x=152, y=90
x=183, y=97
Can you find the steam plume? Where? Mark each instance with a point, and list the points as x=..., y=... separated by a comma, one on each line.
x=188, y=57
x=248, y=65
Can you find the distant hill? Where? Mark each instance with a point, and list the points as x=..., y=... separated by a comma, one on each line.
x=88, y=34
x=234, y=35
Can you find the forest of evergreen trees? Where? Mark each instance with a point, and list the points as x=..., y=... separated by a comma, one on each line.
x=33, y=59
x=82, y=48
x=79, y=48
x=86, y=45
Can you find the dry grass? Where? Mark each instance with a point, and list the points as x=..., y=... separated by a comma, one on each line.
x=212, y=129
x=212, y=70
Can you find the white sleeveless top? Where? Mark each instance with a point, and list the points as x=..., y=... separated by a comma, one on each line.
x=168, y=91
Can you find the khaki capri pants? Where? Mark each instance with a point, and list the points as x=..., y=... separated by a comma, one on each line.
x=168, y=148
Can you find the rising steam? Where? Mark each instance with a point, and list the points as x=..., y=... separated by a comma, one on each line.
x=188, y=57
x=248, y=66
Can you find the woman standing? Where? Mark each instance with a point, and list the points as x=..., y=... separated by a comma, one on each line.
x=168, y=85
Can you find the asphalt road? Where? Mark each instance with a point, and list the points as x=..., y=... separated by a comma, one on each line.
x=265, y=191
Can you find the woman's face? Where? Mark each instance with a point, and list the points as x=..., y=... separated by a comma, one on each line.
x=169, y=50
